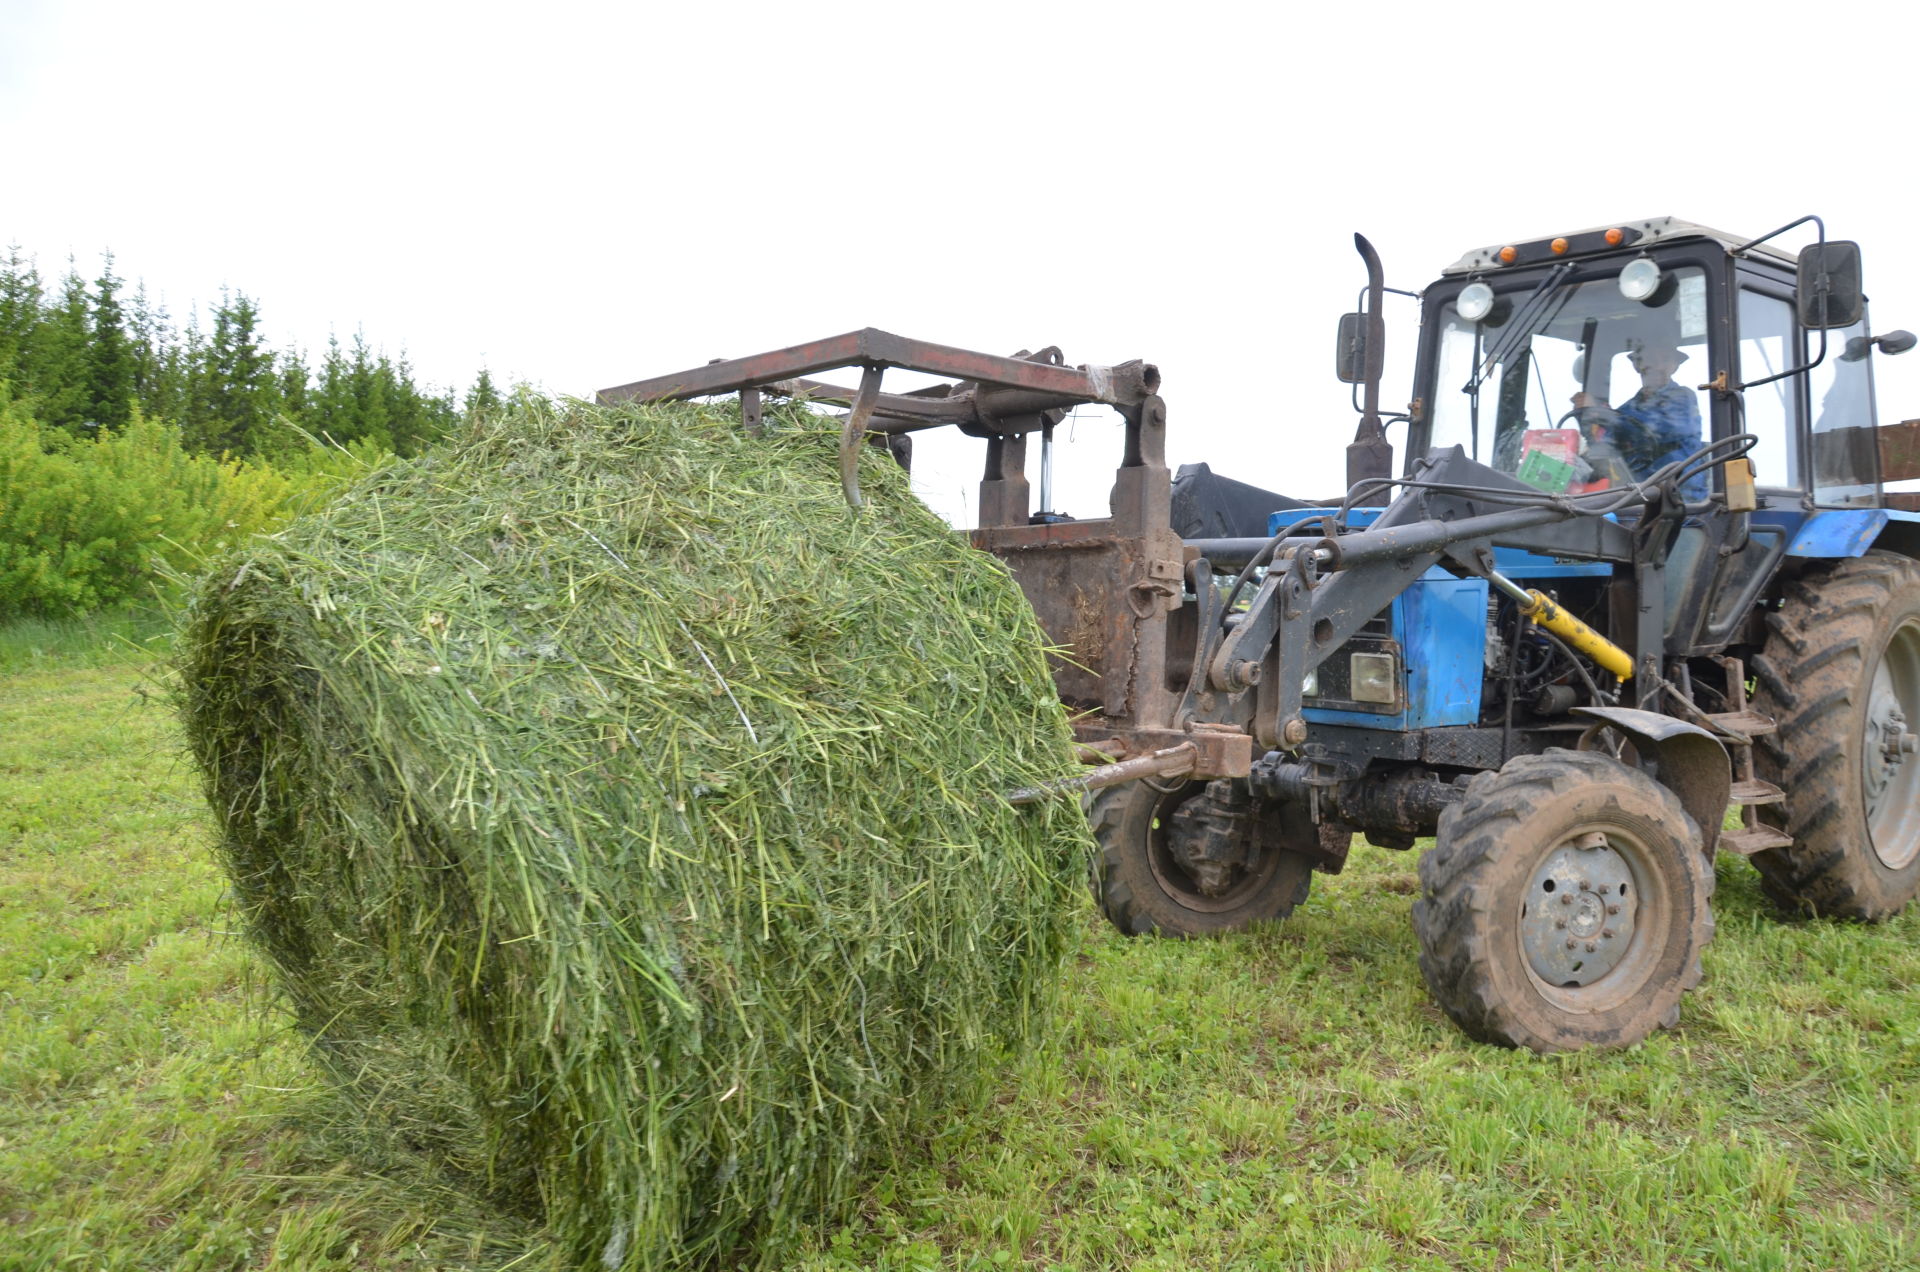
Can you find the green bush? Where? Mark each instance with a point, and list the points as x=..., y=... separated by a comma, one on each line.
x=91, y=522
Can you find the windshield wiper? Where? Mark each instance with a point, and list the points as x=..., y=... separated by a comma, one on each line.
x=1521, y=326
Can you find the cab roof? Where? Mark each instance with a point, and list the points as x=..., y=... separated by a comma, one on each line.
x=1588, y=242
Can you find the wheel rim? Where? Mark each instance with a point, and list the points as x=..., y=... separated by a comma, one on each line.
x=1174, y=879
x=1594, y=919
x=1889, y=766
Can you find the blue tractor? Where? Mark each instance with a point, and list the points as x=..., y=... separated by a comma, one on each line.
x=1650, y=558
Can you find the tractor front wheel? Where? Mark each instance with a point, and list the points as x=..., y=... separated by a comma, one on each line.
x=1564, y=905
x=1147, y=884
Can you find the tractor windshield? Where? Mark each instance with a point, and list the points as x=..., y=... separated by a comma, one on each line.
x=1576, y=385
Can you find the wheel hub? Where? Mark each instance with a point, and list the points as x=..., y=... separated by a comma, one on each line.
x=1202, y=850
x=1889, y=776
x=1888, y=743
x=1577, y=921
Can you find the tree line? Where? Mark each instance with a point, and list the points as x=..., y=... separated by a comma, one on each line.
x=82, y=357
x=134, y=452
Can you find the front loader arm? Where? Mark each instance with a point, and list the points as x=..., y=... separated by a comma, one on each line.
x=1321, y=591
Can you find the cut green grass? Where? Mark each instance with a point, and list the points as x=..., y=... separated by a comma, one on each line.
x=621, y=813
x=1280, y=1099
x=130, y=636
x=156, y=1113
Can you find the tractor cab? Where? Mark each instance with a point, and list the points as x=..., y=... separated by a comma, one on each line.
x=1586, y=361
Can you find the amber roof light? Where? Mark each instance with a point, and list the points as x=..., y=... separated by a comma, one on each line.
x=1559, y=247
x=1616, y=236
x=1508, y=255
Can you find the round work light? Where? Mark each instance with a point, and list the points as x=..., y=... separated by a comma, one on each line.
x=1640, y=279
x=1474, y=302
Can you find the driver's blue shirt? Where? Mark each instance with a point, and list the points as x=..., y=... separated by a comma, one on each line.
x=1655, y=428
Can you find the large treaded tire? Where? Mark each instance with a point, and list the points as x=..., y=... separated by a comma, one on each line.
x=1142, y=891
x=1816, y=677
x=1480, y=882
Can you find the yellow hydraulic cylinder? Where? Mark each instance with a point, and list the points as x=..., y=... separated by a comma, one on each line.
x=1536, y=606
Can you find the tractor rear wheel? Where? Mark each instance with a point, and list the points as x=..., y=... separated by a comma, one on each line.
x=1840, y=675
x=1564, y=905
x=1145, y=884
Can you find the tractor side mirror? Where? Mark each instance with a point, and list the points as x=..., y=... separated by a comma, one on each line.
x=1828, y=293
x=1350, y=360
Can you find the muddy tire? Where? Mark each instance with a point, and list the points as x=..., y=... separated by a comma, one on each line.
x=1840, y=674
x=1564, y=905
x=1142, y=888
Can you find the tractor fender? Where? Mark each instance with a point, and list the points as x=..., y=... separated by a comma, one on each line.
x=1833, y=534
x=1684, y=758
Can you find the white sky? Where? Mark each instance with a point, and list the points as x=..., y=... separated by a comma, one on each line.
x=582, y=195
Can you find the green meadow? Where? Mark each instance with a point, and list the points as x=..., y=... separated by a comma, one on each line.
x=1280, y=1099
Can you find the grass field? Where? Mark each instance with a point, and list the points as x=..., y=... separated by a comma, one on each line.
x=1283, y=1099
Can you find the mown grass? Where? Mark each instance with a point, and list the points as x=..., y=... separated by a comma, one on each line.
x=127, y=636
x=1281, y=1099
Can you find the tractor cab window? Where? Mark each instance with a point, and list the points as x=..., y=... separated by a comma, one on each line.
x=1846, y=467
x=1579, y=386
x=1769, y=346
x=1839, y=392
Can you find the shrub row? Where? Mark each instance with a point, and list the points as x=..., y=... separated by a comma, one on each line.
x=88, y=522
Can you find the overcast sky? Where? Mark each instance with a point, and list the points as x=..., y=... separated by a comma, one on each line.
x=580, y=195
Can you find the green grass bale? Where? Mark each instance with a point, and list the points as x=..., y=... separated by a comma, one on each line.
x=619, y=810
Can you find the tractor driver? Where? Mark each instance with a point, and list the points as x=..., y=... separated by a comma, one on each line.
x=1656, y=426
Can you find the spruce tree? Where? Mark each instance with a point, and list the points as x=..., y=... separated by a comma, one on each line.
x=240, y=394
x=330, y=412
x=20, y=300
x=294, y=381
x=368, y=378
x=482, y=397
x=159, y=368
x=58, y=371
x=110, y=357
x=413, y=417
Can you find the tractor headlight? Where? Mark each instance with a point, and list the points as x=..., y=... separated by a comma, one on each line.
x=1374, y=678
x=1474, y=302
x=1640, y=279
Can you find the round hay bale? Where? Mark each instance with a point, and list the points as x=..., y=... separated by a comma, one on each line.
x=619, y=809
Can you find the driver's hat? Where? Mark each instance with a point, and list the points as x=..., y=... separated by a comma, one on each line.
x=1638, y=349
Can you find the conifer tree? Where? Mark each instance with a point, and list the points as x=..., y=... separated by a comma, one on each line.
x=482, y=397
x=294, y=379
x=412, y=421
x=110, y=358
x=239, y=391
x=20, y=299
x=58, y=369
x=330, y=410
x=368, y=377
x=159, y=371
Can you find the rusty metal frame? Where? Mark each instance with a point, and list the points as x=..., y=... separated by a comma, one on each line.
x=1007, y=391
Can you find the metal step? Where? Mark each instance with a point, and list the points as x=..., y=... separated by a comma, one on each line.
x=1754, y=791
x=1751, y=839
x=1747, y=723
